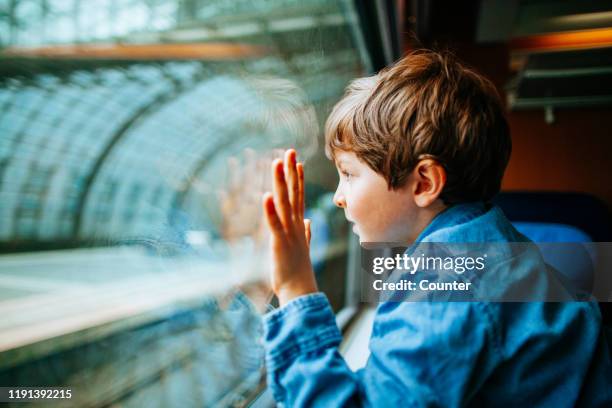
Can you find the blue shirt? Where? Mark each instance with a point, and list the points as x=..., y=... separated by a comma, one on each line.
x=444, y=353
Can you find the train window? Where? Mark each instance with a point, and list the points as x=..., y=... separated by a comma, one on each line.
x=136, y=138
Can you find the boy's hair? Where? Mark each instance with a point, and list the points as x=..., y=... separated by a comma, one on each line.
x=427, y=105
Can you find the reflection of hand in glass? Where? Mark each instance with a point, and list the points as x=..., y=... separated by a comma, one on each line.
x=240, y=203
x=248, y=178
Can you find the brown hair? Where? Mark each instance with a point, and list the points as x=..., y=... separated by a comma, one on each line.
x=427, y=105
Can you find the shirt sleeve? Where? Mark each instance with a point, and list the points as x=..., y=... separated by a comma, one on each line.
x=422, y=354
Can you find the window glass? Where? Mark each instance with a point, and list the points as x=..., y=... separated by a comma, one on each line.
x=136, y=138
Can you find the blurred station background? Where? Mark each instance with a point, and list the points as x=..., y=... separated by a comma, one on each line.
x=135, y=140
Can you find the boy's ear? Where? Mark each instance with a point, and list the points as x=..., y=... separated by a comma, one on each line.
x=429, y=180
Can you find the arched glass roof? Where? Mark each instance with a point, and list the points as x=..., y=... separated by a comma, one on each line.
x=103, y=151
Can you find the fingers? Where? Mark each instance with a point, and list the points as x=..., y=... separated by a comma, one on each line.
x=307, y=223
x=293, y=183
x=271, y=215
x=288, y=187
x=281, y=197
x=301, y=198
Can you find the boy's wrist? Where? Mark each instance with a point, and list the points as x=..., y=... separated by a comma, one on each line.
x=287, y=293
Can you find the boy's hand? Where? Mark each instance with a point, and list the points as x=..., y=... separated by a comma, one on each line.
x=292, y=273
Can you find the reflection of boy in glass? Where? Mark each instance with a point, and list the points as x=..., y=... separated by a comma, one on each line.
x=421, y=149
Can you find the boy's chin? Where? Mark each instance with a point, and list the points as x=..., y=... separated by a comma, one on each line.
x=365, y=237
x=358, y=233
x=361, y=236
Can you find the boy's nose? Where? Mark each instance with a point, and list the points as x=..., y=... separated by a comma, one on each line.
x=339, y=199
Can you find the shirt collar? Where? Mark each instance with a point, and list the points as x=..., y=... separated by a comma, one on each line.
x=453, y=215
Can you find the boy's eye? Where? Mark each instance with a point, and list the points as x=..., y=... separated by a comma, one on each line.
x=346, y=174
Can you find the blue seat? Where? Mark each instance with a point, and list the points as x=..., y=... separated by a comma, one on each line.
x=568, y=255
x=559, y=217
x=582, y=211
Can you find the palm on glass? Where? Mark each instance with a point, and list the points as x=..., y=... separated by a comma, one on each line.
x=292, y=273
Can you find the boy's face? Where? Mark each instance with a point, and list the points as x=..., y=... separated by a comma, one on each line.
x=378, y=214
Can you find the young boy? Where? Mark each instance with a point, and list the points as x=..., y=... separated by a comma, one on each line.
x=421, y=149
